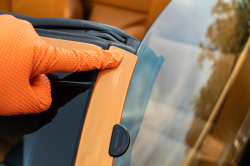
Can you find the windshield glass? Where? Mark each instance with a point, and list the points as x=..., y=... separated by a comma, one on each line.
x=188, y=102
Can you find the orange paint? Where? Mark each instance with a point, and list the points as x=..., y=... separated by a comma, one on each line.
x=105, y=110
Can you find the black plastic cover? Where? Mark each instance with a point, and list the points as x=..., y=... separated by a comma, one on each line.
x=119, y=141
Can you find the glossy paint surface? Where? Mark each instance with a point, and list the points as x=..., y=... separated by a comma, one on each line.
x=104, y=111
x=191, y=106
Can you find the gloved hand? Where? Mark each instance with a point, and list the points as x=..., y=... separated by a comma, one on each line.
x=25, y=59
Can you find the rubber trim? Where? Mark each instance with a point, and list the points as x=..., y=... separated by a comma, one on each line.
x=81, y=27
x=69, y=24
x=104, y=44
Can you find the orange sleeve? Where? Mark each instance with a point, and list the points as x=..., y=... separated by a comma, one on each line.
x=25, y=58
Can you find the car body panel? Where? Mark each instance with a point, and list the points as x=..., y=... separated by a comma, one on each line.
x=105, y=107
x=105, y=110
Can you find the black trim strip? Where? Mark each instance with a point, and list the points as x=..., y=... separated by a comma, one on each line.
x=95, y=74
x=83, y=84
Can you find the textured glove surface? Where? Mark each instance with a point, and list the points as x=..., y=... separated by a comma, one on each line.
x=25, y=59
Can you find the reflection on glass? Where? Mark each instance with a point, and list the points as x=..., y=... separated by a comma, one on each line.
x=34, y=139
x=138, y=95
x=200, y=42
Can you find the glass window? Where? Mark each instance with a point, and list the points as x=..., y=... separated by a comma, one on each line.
x=182, y=106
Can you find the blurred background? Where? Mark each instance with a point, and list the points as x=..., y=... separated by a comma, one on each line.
x=132, y=16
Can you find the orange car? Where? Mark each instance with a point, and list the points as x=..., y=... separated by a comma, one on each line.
x=181, y=96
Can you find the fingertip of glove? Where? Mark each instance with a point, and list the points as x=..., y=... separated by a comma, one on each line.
x=113, y=59
x=117, y=55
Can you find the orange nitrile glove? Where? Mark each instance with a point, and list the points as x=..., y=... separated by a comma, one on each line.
x=25, y=59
